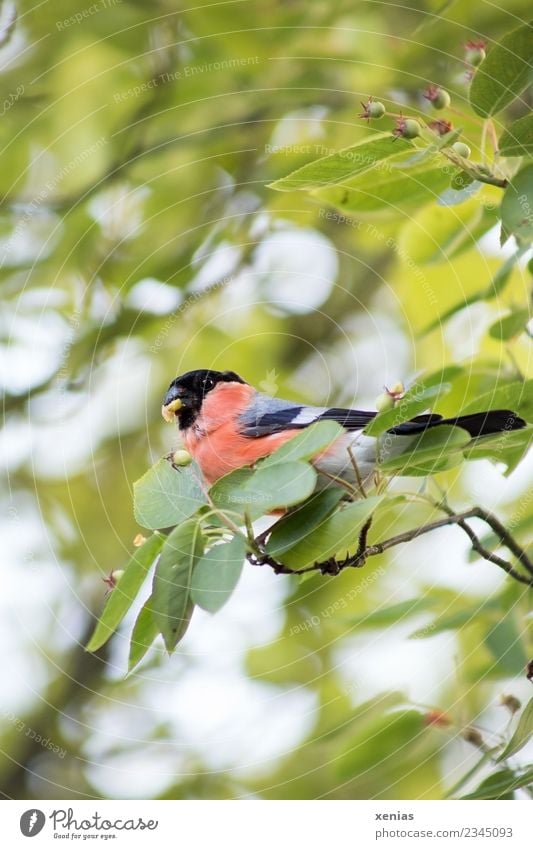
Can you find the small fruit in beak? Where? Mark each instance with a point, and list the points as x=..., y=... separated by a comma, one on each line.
x=169, y=410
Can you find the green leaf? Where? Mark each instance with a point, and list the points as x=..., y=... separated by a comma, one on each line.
x=437, y=233
x=392, y=614
x=217, y=573
x=517, y=206
x=281, y=485
x=346, y=163
x=166, y=496
x=171, y=600
x=516, y=395
x=123, y=595
x=385, y=193
x=429, y=452
x=229, y=493
x=504, y=74
x=437, y=142
x=143, y=635
x=470, y=615
x=379, y=743
x=507, y=447
x=337, y=534
x=496, y=287
x=311, y=441
x=415, y=401
x=504, y=642
x=517, y=140
x=510, y=325
x=522, y=734
x=501, y=784
x=291, y=529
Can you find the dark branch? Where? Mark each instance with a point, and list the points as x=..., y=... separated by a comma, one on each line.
x=364, y=551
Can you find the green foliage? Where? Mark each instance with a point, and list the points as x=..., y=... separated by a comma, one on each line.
x=510, y=325
x=504, y=74
x=123, y=595
x=165, y=496
x=517, y=209
x=347, y=163
x=217, y=573
x=517, y=140
x=501, y=784
x=522, y=734
x=386, y=194
x=306, y=445
x=415, y=401
x=299, y=523
x=145, y=631
x=150, y=175
x=335, y=534
x=434, y=450
x=172, y=605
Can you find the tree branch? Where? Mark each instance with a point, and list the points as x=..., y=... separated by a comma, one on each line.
x=364, y=551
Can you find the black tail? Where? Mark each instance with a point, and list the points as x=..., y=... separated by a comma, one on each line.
x=477, y=424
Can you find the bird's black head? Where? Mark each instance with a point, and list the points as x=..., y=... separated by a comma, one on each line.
x=186, y=393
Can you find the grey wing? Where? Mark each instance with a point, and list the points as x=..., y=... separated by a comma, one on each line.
x=266, y=416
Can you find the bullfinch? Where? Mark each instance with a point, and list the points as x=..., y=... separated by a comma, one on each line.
x=226, y=424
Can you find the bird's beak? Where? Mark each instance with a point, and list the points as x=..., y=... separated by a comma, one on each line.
x=169, y=410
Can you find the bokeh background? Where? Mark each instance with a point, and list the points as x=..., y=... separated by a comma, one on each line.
x=138, y=240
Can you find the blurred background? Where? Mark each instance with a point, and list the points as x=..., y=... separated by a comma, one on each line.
x=138, y=240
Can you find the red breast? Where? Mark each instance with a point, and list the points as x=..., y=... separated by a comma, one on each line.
x=214, y=439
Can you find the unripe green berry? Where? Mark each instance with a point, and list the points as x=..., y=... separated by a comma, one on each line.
x=375, y=109
x=475, y=56
x=441, y=100
x=383, y=402
x=437, y=96
x=462, y=149
x=411, y=128
x=181, y=458
x=397, y=390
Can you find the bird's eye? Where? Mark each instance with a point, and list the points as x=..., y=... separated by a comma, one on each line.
x=208, y=384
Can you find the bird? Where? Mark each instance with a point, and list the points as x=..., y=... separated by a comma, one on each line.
x=226, y=424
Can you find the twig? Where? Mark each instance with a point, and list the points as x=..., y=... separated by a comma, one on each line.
x=356, y=471
x=364, y=551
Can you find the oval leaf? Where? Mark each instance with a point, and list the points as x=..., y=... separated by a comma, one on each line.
x=504, y=74
x=437, y=233
x=432, y=451
x=338, y=533
x=500, y=785
x=517, y=206
x=345, y=163
x=217, y=574
x=522, y=735
x=311, y=441
x=281, y=485
x=300, y=522
x=510, y=325
x=517, y=140
x=415, y=401
x=143, y=635
x=166, y=496
x=171, y=602
x=381, y=193
x=123, y=595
